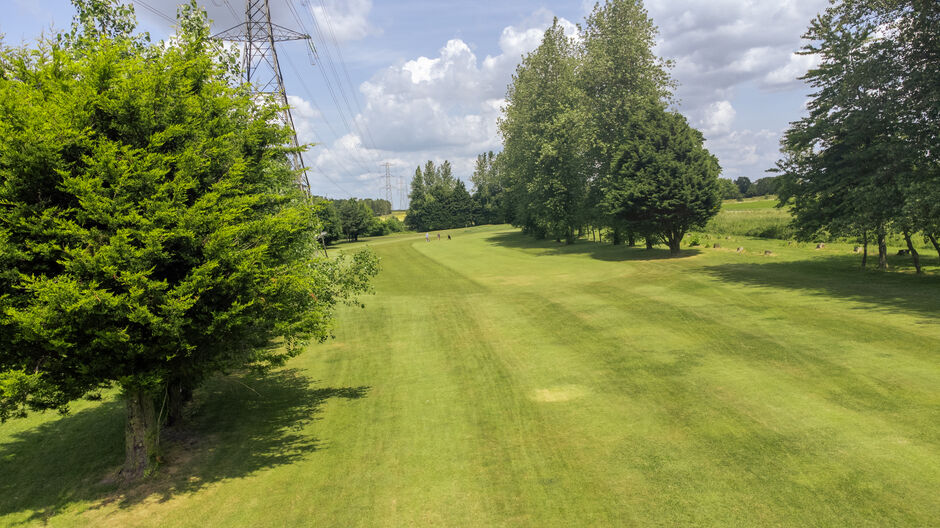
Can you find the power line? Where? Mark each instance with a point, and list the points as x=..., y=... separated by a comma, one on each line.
x=155, y=11
x=331, y=67
x=313, y=102
x=401, y=191
x=260, y=52
x=229, y=7
x=342, y=63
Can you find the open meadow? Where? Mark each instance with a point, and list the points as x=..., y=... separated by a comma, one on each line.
x=496, y=380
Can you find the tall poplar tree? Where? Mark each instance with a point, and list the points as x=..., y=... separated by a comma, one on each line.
x=544, y=133
x=620, y=77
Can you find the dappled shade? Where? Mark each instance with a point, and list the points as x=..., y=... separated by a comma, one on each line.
x=238, y=425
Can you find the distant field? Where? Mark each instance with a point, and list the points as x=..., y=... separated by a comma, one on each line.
x=755, y=217
x=749, y=204
x=495, y=380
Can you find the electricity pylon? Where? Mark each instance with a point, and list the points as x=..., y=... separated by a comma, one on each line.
x=261, y=69
x=388, y=183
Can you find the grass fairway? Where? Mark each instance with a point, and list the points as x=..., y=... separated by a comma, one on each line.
x=495, y=380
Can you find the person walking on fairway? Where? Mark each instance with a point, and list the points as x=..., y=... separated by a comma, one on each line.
x=438, y=236
x=427, y=237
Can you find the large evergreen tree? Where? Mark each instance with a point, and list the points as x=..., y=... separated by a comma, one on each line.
x=417, y=203
x=151, y=229
x=663, y=181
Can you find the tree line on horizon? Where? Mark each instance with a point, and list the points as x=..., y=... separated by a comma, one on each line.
x=355, y=217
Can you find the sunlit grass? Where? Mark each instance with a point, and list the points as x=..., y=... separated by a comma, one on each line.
x=497, y=380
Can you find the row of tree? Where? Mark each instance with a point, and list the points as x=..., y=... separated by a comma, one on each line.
x=589, y=138
x=865, y=161
x=743, y=187
x=353, y=217
x=152, y=231
x=438, y=200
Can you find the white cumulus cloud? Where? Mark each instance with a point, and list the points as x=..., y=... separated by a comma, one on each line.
x=344, y=19
x=719, y=116
x=441, y=107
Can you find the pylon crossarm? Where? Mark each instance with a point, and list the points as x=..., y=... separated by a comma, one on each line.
x=239, y=33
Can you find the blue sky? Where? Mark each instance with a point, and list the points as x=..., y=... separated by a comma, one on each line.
x=413, y=80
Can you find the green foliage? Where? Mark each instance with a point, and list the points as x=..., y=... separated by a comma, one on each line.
x=544, y=128
x=587, y=139
x=765, y=186
x=865, y=159
x=151, y=228
x=379, y=207
x=394, y=225
x=332, y=224
x=620, y=76
x=438, y=200
x=488, y=206
x=665, y=182
x=728, y=190
x=356, y=218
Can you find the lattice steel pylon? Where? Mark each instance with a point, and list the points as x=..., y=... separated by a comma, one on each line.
x=388, y=183
x=260, y=66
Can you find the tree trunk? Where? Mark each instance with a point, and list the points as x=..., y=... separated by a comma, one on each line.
x=649, y=242
x=618, y=236
x=674, y=239
x=141, y=434
x=933, y=240
x=593, y=234
x=882, y=249
x=914, y=256
x=631, y=239
x=569, y=236
x=864, y=249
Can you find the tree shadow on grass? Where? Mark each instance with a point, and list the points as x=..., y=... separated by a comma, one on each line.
x=236, y=426
x=840, y=276
x=595, y=250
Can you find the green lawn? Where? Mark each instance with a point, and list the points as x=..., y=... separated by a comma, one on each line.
x=495, y=380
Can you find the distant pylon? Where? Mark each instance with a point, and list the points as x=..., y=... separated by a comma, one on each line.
x=260, y=66
x=388, y=183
